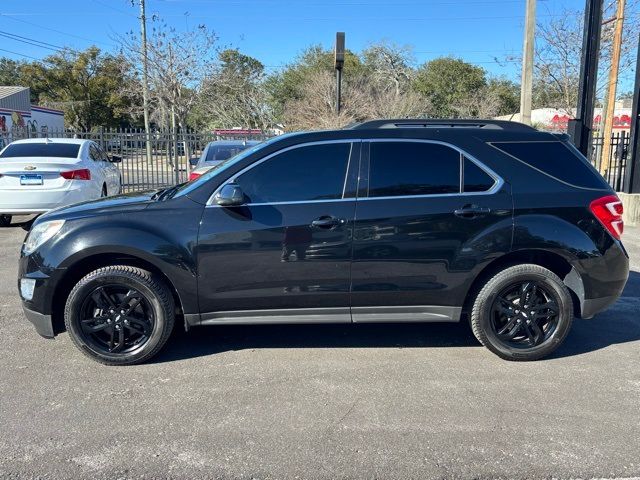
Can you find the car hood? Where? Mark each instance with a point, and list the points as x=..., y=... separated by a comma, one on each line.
x=121, y=203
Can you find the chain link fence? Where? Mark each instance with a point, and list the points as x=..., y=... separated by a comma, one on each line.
x=170, y=152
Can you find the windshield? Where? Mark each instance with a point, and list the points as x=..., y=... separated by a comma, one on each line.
x=49, y=149
x=222, y=166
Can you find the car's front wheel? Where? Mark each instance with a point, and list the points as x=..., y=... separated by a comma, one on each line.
x=120, y=315
x=523, y=313
x=5, y=220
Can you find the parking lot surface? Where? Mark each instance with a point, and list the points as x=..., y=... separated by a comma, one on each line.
x=376, y=401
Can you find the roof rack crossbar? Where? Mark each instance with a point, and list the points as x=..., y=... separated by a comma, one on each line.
x=441, y=123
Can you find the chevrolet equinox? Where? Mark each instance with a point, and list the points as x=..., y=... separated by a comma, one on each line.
x=490, y=222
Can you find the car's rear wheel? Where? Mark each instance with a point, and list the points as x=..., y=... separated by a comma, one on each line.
x=523, y=313
x=120, y=315
x=5, y=220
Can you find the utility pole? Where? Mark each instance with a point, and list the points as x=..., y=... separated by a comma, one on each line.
x=613, y=83
x=339, y=63
x=145, y=79
x=526, y=85
x=632, y=172
x=580, y=127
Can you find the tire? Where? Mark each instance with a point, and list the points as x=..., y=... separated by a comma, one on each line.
x=500, y=324
x=99, y=328
x=5, y=220
x=103, y=194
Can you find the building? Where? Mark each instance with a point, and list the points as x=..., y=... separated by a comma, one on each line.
x=18, y=116
x=557, y=120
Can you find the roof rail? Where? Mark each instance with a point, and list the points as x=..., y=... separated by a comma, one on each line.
x=441, y=123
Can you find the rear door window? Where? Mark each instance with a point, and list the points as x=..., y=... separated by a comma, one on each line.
x=413, y=168
x=57, y=150
x=556, y=160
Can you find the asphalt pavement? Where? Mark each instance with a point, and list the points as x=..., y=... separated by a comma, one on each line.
x=374, y=401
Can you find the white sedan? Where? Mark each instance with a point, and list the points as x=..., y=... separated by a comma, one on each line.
x=38, y=175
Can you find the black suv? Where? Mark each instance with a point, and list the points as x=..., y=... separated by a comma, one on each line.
x=489, y=222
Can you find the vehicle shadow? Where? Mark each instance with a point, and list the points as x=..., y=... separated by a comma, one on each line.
x=620, y=324
x=24, y=222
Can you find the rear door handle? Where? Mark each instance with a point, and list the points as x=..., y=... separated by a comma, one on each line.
x=472, y=211
x=327, y=222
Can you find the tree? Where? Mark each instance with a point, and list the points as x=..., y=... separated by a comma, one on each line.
x=389, y=66
x=177, y=63
x=448, y=83
x=85, y=85
x=291, y=84
x=234, y=94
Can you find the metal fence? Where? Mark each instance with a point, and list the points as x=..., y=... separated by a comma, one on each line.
x=618, y=154
x=171, y=151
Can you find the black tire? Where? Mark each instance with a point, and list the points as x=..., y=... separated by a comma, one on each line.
x=104, y=191
x=92, y=319
x=5, y=220
x=513, y=333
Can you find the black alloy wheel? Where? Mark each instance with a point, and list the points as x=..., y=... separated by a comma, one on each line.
x=116, y=318
x=120, y=315
x=523, y=312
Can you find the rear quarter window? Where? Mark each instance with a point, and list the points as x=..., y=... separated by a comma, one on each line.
x=557, y=160
x=57, y=150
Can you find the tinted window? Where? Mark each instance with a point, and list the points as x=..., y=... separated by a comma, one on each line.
x=94, y=154
x=223, y=152
x=557, y=160
x=58, y=150
x=413, y=168
x=316, y=172
x=476, y=179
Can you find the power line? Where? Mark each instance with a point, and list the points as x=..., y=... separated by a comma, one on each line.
x=28, y=41
x=54, y=30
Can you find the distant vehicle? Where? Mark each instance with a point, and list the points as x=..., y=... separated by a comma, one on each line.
x=219, y=151
x=38, y=175
x=482, y=221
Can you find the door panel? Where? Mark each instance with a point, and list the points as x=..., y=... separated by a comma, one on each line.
x=271, y=257
x=414, y=248
x=289, y=246
x=417, y=252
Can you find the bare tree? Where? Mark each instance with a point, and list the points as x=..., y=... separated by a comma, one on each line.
x=234, y=93
x=390, y=66
x=177, y=63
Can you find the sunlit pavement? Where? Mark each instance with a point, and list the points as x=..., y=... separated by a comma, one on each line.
x=385, y=401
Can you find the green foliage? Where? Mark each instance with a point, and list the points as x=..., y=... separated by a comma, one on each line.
x=85, y=85
x=448, y=81
x=288, y=84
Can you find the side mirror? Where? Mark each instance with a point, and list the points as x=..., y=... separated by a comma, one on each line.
x=193, y=161
x=115, y=159
x=230, y=195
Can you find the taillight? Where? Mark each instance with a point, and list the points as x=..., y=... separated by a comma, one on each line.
x=82, y=174
x=194, y=175
x=609, y=211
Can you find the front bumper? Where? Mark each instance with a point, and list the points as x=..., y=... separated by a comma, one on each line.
x=43, y=323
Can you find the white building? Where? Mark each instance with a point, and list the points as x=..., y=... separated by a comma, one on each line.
x=17, y=113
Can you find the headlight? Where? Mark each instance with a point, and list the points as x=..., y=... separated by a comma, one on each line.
x=40, y=234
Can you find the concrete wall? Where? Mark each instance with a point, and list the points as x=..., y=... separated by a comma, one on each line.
x=631, y=202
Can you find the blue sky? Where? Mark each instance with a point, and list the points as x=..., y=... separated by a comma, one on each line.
x=275, y=31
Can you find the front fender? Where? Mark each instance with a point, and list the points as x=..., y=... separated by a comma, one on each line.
x=142, y=235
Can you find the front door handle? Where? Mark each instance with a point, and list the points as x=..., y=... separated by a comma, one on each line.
x=472, y=211
x=327, y=222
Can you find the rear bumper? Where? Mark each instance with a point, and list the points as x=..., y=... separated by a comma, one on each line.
x=16, y=202
x=42, y=323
